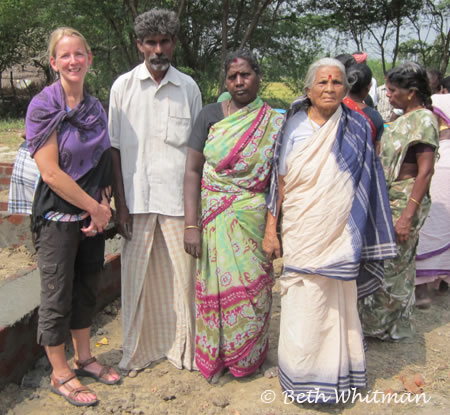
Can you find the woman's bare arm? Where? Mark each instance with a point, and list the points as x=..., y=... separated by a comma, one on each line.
x=192, y=185
x=425, y=166
x=271, y=244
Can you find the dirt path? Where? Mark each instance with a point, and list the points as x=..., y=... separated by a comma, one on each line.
x=163, y=389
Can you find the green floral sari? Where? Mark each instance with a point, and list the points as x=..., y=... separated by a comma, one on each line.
x=234, y=282
x=386, y=314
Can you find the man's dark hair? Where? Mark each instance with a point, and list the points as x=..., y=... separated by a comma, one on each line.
x=156, y=21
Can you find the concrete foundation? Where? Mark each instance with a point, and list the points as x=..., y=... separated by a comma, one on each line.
x=19, y=302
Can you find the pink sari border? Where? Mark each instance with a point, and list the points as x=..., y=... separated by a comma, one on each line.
x=202, y=359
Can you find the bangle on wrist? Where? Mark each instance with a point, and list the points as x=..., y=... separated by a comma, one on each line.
x=414, y=200
x=192, y=227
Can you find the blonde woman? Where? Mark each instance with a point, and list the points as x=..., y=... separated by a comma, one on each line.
x=68, y=138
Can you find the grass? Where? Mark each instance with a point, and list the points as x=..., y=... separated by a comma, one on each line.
x=278, y=94
x=11, y=133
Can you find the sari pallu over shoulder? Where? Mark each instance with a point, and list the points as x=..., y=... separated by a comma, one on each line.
x=415, y=127
x=238, y=154
x=367, y=222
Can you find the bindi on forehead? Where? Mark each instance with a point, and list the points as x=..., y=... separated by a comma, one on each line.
x=330, y=76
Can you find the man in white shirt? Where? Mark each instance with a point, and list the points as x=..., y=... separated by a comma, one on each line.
x=152, y=110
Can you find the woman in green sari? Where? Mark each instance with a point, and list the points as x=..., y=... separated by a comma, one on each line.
x=228, y=168
x=408, y=148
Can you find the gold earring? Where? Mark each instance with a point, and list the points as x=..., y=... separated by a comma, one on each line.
x=409, y=98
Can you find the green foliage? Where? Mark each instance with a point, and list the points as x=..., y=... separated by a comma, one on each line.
x=279, y=36
x=278, y=94
x=11, y=130
x=285, y=35
x=17, y=23
x=377, y=70
x=379, y=20
x=8, y=124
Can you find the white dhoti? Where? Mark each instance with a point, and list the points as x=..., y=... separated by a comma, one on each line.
x=158, y=294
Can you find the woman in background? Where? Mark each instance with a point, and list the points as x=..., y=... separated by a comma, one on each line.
x=407, y=154
x=433, y=251
x=359, y=77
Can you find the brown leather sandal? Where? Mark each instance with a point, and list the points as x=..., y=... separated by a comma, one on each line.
x=73, y=392
x=106, y=370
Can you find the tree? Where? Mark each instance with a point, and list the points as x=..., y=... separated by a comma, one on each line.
x=274, y=29
x=379, y=20
x=17, y=24
x=431, y=43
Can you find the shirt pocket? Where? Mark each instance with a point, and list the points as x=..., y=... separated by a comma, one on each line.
x=178, y=125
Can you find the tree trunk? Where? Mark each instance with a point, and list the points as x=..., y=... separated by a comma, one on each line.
x=445, y=54
x=180, y=8
x=133, y=8
x=397, y=40
x=254, y=22
x=11, y=81
x=223, y=52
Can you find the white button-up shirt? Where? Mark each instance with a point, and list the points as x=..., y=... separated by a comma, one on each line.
x=150, y=124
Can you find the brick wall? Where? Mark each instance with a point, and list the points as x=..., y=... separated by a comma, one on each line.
x=5, y=175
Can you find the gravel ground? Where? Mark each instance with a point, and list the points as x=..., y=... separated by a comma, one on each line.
x=163, y=389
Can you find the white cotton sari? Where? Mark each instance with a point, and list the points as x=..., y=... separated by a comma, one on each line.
x=321, y=343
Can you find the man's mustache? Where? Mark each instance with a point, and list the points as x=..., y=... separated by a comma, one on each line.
x=159, y=60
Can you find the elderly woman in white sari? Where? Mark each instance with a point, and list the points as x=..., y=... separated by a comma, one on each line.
x=336, y=229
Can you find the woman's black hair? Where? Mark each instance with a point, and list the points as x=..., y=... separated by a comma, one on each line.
x=446, y=83
x=411, y=75
x=242, y=54
x=346, y=59
x=359, y=77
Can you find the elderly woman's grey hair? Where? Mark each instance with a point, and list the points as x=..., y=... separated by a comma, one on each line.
x=242, y=54
x=314, y=67
x=156, y=22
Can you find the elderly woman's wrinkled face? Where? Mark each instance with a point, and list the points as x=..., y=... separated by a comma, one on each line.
x=327, y=91
x=242, y=82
